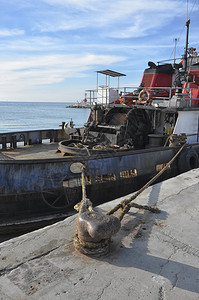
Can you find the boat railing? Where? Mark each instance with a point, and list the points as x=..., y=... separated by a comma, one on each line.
x=23, y=138
x=132, y=94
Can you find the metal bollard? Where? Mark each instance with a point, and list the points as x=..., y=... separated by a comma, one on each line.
x=94, y=229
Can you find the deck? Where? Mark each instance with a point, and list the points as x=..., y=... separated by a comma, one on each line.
x=29, y=152
x=31, y=145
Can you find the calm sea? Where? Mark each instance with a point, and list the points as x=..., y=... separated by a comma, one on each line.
x=18, y=116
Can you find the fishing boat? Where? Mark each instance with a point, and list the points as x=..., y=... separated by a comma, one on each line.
x=130, y=135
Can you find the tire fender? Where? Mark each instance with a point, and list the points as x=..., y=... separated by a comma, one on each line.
x=188, y=160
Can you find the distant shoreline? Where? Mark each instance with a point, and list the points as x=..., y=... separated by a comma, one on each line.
x=79, y=105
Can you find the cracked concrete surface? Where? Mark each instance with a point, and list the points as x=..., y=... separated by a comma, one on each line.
x=153, y=256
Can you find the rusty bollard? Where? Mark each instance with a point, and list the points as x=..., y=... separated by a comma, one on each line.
x=94, y=229
x=94, y=232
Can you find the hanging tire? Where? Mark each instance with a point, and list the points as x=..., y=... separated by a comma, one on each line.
x=188, y=160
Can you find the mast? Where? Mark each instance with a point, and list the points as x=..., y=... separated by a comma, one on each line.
x=175, y=50
x=186, y=44
x=187, y=38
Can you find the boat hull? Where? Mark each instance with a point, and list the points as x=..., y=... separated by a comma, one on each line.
x=38, y=188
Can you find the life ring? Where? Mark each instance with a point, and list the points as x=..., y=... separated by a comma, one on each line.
x=144, y=97
x=121, y=100
x=188, y=160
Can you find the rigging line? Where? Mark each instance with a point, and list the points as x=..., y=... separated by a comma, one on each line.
x=177, y=44
x=182, y=30
x=174, y=49
x=171, y=55
x=188, y=13
x=192, y=7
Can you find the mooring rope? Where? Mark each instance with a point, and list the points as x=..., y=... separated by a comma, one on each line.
x=89, y=248
x=126, y=204
x=102, y=247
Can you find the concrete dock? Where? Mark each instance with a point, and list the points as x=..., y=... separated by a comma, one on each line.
x=153, y=256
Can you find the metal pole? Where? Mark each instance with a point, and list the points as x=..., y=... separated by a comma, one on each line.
x=186, y=44
x=175, y=50
x=124, y=95
x=191, y=90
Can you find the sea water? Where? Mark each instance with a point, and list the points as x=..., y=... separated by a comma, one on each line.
x=21, y=116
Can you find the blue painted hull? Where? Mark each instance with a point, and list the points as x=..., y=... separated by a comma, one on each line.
x=39, y=188
x=20, y=176
x=30, y=187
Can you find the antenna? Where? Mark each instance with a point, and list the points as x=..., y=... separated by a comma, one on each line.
x=187, y=11
x=187, y=39
x=186, y=44
x=175, y=40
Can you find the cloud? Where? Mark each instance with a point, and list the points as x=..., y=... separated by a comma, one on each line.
x=78, y=4
x=49, y=77
x=125, y=18
x=56, y=41
x=49, y=69
x=11, y=32
x=36, y=43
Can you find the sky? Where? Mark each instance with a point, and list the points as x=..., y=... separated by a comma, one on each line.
x=50, y=49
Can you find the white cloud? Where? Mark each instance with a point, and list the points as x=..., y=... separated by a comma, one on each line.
x=35, y=78
x=132, y=31
x=10, y=32
x=36, y=43
x=78, y=4
x=126, y=18
x=49, y=69
x=61, y=24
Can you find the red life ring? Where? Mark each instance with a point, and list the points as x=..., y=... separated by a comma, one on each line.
x=144, y=97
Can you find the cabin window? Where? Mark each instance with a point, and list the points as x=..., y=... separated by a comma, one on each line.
x=128, y=173
x=160, y=167
x=104, y=178
x=74, y=182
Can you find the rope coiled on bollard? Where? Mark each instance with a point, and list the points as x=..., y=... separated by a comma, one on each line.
x=91, y=248
x=98, y=248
